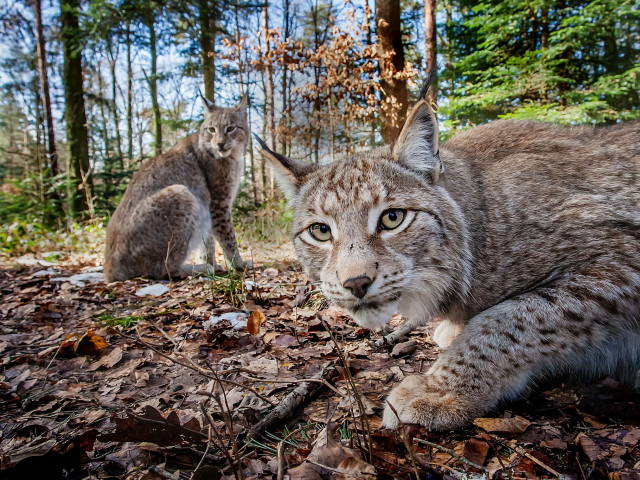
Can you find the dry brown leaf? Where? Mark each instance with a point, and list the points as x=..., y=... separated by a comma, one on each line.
x=404, y=349
x=515, y=424
x=107, y=361
x=589, y=447
x=255, y=322
x=141, y=378
x=270, y=336
x=476, y=451
x=352, y=468
x=556, y=443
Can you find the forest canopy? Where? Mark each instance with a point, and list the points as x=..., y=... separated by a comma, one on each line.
x=91, y=89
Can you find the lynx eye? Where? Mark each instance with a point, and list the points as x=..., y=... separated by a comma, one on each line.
x=211, y=130
x=231, y=129
x=320, y=232
x=391, y=219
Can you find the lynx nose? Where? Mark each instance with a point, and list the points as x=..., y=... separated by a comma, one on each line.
x=221, y=145
x=358, y=285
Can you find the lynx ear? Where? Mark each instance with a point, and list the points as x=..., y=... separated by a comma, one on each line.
x=208, y=104
x=417, y=144
x=242, y=105
x=288, y=173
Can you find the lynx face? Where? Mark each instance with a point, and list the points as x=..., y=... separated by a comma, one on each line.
x=378, y=230
x=377, y=236
x=224, y=129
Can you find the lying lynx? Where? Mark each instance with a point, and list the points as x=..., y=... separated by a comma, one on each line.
x=178, y=203
x=525, y=236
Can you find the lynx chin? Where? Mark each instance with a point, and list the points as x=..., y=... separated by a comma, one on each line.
x=525, y=236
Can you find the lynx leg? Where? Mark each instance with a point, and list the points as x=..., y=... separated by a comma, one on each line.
x=211, y=255
x=446, y=333
x=154, y=241
x=225, y=234
x=584, y=324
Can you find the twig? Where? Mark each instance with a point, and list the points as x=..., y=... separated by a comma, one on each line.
x=522, y=451
x=295, y=380
x=452, y=453
x=500, y=461
x=580, y=466
x=204, y=455
x=175, y=345
x=44, y=375
x=209, y=420
x=226, y=416
x=405, y=438
x=304, y=392
x=335, y=470
x=197, y=369
x=166, y=259
x=281, y=453
x=364, y=420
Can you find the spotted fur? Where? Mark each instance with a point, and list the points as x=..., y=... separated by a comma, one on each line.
x=524, y=235
x=179, y=203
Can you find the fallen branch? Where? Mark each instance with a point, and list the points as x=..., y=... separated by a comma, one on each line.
x=303, y=393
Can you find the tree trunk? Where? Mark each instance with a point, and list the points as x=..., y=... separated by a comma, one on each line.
x=114, y=105
x=207, y=39
x=129, y=98
x=153, y=82
x=44, y=90
x=108, y=161
x=270, y=94
x=389, y=33
x=75, y=116
x=431, y=39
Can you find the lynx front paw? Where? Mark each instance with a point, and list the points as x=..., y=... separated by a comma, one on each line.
x=446, y=333
x=417, y=402
x=243, y=265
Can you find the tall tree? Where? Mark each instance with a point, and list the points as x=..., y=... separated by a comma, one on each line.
x=149, y=19
x=44, y=89
x=271, y=123
x=391, y=60
x=432, y=45
x=207, y=46
x=74, y=114
x=129, y=95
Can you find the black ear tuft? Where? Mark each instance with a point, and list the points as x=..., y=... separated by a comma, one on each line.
x=427, y=83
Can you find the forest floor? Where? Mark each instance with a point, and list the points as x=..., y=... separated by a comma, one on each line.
x=106, y=381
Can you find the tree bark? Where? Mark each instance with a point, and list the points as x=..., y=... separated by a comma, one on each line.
x=44, y=89
x=270, y=93
x=432, y=46
x=75, y=116
x=270, y=100
x=129, y=98
x=207, y=39
x=114, y=104
x=153, y=82
x=389, y=34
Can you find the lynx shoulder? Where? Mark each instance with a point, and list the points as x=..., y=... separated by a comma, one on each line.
x=523, y=235
x=179, y=203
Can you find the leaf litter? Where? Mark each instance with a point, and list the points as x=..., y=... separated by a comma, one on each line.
x=232, y=377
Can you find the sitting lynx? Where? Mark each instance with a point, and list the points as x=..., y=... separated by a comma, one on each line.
x=181, y=201
x=525, y=236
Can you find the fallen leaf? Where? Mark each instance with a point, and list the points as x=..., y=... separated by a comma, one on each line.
x=107, y=361
x=404, y=349
x=589, y=447
x=516, y=424
x=270, y=336
x=141, y=378
x=352, y=468
x=556, y=443
x=476, y=451
x=255, y=322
